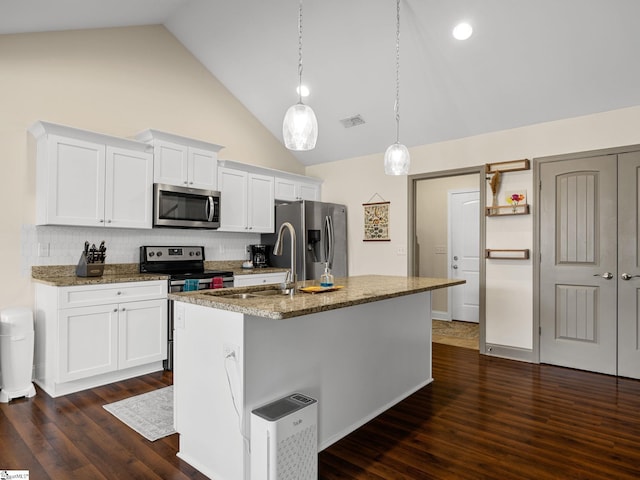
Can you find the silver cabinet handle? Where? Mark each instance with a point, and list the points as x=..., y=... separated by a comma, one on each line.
x=455, y=267
x=605, y=275
x=627, y=276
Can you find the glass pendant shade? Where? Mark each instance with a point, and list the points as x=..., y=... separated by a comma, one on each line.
x=300, y=128
x=396, y=160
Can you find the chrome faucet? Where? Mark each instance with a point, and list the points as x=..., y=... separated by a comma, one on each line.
x=277, y=250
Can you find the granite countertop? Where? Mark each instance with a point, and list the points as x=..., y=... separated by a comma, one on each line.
x=355, y=291
x=65, y=275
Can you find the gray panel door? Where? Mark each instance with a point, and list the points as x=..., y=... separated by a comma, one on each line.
x=578, y=265
x=628, y=265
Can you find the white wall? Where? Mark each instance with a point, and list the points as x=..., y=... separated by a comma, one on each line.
x=509, y=286
x=119, y=82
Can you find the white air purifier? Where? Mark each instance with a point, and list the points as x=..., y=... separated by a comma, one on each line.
x=16, y=353
x=284, y=439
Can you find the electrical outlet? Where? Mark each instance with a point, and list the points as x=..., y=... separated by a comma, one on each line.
x=43, y=249
x=247, y=249
x=401, y=251
x=230, y=351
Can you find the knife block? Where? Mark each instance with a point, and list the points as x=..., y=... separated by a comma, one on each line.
x=86, y=269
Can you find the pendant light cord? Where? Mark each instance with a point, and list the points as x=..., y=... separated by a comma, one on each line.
x=300, y=52
x=397, y=104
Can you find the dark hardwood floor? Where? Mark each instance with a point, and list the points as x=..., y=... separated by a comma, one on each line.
x=482, y=418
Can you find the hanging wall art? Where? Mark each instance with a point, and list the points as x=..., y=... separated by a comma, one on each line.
x=376, y=221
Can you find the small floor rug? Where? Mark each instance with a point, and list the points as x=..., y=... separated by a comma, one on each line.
x=149, y=414
x=459, y=334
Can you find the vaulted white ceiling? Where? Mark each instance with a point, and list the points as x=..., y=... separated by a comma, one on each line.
x=527, y=61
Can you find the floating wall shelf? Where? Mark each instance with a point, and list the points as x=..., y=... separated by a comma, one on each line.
x=503, y=210
x=511, y=166
x=522, y=254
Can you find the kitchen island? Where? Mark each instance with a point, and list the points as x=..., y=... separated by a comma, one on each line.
x=358, y=350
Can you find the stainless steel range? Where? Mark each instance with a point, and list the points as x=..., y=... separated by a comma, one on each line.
x=185, y=267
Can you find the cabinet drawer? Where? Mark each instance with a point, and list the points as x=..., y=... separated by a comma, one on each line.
x=69, y=297
x=259, y=279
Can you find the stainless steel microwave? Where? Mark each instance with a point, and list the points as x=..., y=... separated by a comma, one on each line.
x=184, y=207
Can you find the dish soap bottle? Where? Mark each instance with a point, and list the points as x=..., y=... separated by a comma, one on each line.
x=326, y=279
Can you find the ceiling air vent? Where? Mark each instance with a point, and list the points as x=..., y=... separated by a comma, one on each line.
x=353, y=121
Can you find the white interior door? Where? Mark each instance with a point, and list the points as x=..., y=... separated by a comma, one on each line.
x=464, y=254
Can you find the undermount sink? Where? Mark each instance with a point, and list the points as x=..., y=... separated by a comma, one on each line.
x=244, y=296
x=270, y=292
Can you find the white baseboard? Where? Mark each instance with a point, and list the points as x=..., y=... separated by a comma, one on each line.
x=440, y=315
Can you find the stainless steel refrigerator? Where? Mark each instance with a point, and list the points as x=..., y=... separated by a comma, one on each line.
x=321, y=234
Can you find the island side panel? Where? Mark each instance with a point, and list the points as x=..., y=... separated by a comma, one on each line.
x=205, y=416
x=356, y=361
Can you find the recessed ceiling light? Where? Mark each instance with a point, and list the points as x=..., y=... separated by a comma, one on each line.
x=462, y=31
x=305, y=91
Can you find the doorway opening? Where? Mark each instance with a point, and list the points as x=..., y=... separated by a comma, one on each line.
x=446, y=239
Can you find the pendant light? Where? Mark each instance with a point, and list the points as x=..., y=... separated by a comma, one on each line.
x=300, y=127
x=396, y=158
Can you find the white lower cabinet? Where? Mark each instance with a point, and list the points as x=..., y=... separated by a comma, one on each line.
x=258, y=279
x=88, y=342
x=97, y=334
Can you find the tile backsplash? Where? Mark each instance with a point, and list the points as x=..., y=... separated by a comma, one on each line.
x=53, y=245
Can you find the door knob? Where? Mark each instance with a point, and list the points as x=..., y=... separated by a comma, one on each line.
x=627, y=276
x=605, y=275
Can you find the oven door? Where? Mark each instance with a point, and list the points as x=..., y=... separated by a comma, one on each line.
x=184, y=207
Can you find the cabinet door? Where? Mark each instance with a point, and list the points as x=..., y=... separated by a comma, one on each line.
x=75, y=182
x=285, y=189
x=88, y=342
x=171, y=163
x=203, y=169
x=308, y=191
x=292, y=190
x=233, y=199
x=128, y=188
x=260, y=215
x=142, y=332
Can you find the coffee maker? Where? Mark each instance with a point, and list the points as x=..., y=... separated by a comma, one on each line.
x=259, y=256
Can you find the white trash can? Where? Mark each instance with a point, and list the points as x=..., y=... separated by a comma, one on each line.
x=16, y=353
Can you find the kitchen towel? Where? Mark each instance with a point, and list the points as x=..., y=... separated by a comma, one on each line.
x=191, y=284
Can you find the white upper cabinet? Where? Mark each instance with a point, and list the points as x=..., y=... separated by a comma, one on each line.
x=128, y=188
x=246, y=201
x=90, y=179
x=292, y=188
x=260, y=202
x=182, y=161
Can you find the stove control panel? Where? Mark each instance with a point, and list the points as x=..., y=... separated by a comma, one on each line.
x=171, y=254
